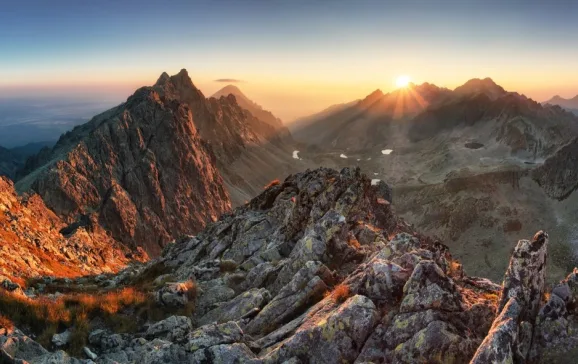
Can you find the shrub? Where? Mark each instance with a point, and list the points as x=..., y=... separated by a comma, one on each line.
x=274, y=182
x=341, y=292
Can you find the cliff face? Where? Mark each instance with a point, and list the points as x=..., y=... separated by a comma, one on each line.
x=34, y=242
x=558, y=176
x=141, y=167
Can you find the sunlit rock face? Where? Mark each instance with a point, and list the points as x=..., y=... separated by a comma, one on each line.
x=141, y=167
x=34, y=242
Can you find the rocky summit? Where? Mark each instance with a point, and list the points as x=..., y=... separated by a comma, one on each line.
x=318, y=269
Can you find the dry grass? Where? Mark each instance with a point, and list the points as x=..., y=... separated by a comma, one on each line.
x=274, y=182
x=191, y=290
x=5, y=323
x=341, y=292
x=45, y=317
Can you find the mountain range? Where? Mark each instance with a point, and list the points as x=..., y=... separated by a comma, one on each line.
x=422, y=112
x=327, y=243
x=565, y=103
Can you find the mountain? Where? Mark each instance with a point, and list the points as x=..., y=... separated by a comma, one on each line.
x=316, y=269
x=249, y=105
x=368, y=122
x=306, y=120
x=32, y=148
x=141, y=167
x=36, y=243
x=12, y=160
x=249, y=152
x=477, y=86
x=479, y=108
x=565, y=103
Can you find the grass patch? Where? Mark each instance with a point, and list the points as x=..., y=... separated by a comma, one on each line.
x=46, y=317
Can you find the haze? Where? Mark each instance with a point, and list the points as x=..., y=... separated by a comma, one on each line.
x=294, y=58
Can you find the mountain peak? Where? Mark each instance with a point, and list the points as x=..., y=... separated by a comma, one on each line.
x=244, y=102
x=571, y=103
x=485, y=86
x=164, y=78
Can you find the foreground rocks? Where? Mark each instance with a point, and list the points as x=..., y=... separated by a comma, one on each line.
x=295, y=276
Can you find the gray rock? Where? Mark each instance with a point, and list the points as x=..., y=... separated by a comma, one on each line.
x=213, y=334
x=62, y=339
x=174, y=328
x=500, y=345
x=175, y=294
x=89, y=353
x=238, y=307
x=307, y=286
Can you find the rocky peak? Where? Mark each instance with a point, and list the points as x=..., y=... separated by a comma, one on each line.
x=141, y=167
x=252, y=107
x=485, y=86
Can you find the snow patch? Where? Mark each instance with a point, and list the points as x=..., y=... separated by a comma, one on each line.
x=358, y=159
x=343, y=156
x=374, y=182
x=341, y=218
x=369, y=158
x=375, y=174
x=387, y=151
x=296, y=154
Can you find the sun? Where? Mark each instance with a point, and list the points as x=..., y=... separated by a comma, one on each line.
x=402, y=81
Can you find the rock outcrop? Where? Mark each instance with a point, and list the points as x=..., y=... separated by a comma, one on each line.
x=34, y=242
x=318, y=269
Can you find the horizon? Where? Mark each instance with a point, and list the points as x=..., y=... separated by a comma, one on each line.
x=293, y=59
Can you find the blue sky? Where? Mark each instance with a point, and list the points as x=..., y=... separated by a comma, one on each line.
x=294, y=56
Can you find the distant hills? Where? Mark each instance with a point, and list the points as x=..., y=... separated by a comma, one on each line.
x=11, y=160
x=479, y=108
x=568, y=104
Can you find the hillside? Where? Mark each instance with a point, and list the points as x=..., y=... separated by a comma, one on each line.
x=36, y=243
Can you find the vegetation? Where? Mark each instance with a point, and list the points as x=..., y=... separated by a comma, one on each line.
x=47, y=316
x=274, y=182
x=341, y=292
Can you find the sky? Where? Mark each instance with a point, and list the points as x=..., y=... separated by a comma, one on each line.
x=293, y=57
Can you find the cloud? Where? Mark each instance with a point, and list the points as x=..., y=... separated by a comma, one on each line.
x=229, y=80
